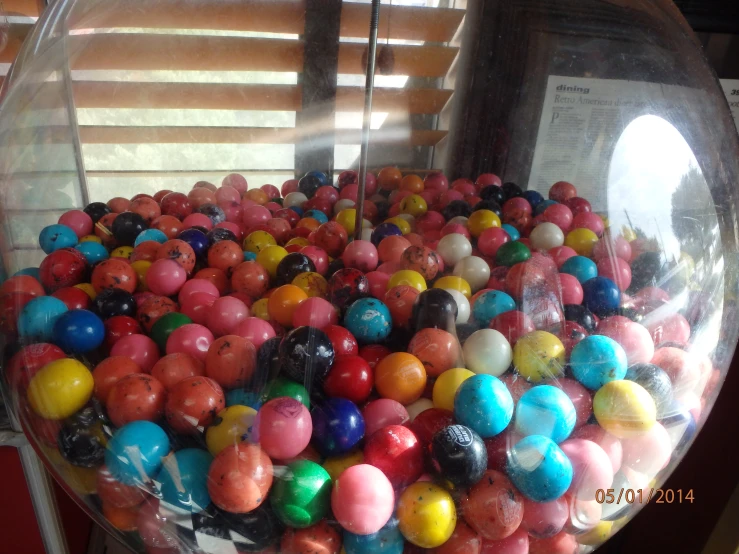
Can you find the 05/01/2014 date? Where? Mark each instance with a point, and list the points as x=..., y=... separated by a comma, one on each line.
x=644, y=496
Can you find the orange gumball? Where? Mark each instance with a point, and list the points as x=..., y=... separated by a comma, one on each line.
x=414, y=238
x=124, y=519
x=167, y=224
x=257, y=195
x=104, y=230
x=389, y=178
x=147, y=251
x=399, y=301
x=114, y=273
x=201, y=195
x=146, y=207
x=437, y=349
x=309, y=223
x=391, y=248
x=283, y=302
x=179, y=251
x=239, y=478
x=225, y=255
x=119, y=204
x=215, y=276
x=251, y=279
x=321, y=538
x=400, y=377
x=412, y=183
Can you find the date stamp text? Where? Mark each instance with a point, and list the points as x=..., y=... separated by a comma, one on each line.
x=644, y=496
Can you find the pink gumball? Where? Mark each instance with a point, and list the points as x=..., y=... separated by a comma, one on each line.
x=611, y=445
x=591, y=467
x=589, y=220
x=231, y=226
x=464, y=186
x=271, y=191
x=255, y=215
x=362, y=499
x=609, y=247
x=197, y=305
x=191, y=339
x=436, y=181
x=389, y=267
x=668, y=328
x=278, y=228
x=196, y=285
x=228, y=194
x=349, y=192
x=141, y=297
x=273, y=207
x=327, y=193
x=378, y=283
x=318, y=256
x=291, y=185
x=491, y=239
x=578, y=205
x=458, y=228
x=617, y=270
x=225, y=314
x=517, y=543
x=430, y=221
x=648, y=453
x=315, y=312
x=233, y=212
x=560, y=215
x=449, y=196
x=431, y=196
x=139, y=348
x=580, y=397
x=78, y=221
x=561, y=254
x=165, y=277
x=370, y=185
x=279, y=419
x=632, y=336
x=383, y=412
x=487, y=179
x=256, y=330
x=544, y=519
x=247, y=202
x=236, y=181
x=360, y=254
x=571, y=289
x=197, y=220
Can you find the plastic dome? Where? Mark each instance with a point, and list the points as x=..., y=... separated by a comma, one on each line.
x=540, y=298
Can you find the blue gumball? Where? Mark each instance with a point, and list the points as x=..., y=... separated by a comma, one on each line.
x=94, y=252
x=491, y=304
x=582, y=268
x=600, y=295
x=184, y=479
x=241, y=397
x=512, y=231
x=318, y=215
x=249, y=256
x=197, y=240
x=38, y=317
x=338, y=426
x=34, y=272
x=320, y=175
x=55, y=237
x=545, y=411
x=484, y=404
x=543, y=205
x=369, y=320
x=150, y=234
x=597, y=360
x=533, y=197
x=384, y=230
x=539, y=469
x=78, y=331
x=135, y=452
x=388, y=540
x=297, y=209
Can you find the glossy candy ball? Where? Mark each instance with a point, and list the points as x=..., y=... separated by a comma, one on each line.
x=306, y=355
x=484, y=404
x=387, y=540
x=597, y=360
x=396, y=451
x=165, y=277
x=351, y=378
x=452, y=248
x=547, y=411
x=38, y=317
x=55, y=237
x=184, y=479
x=78, y=331
x=338, y=426
x=240, y=478
x=368, y=320
x=127, y=226
x=493, y=507
x=136, y=451
x=193, y=403
x=400, y=377
x=539, y=355
x=301, y=495
x=539, y=469
x=487, y=351
x=60, y=389
x=362, y=499
x=458, y=455
x=491, y=304
x=601, y=296
x=280, y=418
x=624, y=409
x=581, y=267
x=427, y=515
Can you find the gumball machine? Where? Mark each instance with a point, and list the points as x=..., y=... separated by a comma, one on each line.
x=319, y=276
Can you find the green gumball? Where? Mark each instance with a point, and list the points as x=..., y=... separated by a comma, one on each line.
x=165, y=325
x=302, y=496
x=287, y=387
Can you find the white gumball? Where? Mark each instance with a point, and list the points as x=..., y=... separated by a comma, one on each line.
x=294, y=200
x=367, y=233
x=474, y=270
x=420, y=405
x=343, y=204
x=487, y=351
x=546, y=235
x=453, y=247
x=463, y=306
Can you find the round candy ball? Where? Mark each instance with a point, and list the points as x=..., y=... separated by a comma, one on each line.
x=338, y=426
x=454, y=247
x=656, y=382
x=55, y=237
x=458, y=455
x=301, y=495
x=546, y=480
x=232, y=426
x=78, y=331
x=191, y=339
x=597, y=360
x=280, y=418
x=624, y=409
x=388, y=540
x=369, y=320
x=484, y=404
x=491, y=304
x=426, y=514
x=135, y=452
x=362, y=499
x=400, y=377
x=165, y=277
x=487, y=351
x=306, y=355
x=547, y=411
x=240, y=478
x=395, y=450
x=60, y=389
x=382, y=413
x=539, y=355
x=184, y=479
x=581, y=267
x=546, y=236
x=600, y=295
x=360, y=254
x=38, y=317
x=493, y=507
x=474, y=270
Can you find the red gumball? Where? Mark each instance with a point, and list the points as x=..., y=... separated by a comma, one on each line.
x=146, y=251
x=332, y=237
x=342, y=340
x=120, y=326
x=589, y=220
x=374, y=353
x=193, y=403
x=215, y=276
x=231, y=361
x=74, y=298
x=397, y=452
x=498, y=448
x=493, y=507
x=513, y=325
x=154, y=308
x=578, y=205
x=422, y=260
x=491, y=239
x=108, y=372
x=429, y=422
x=617, y=270
x=179, y=251
x=177, y=205
x=173, y=368
x=113, y=273
x=430, y=221
x=64, y=268
x=239, y=478
x=251, y=279
x=561, y=191
x=399, y=301
x=572, y=292
x=146, y=208
x=436, y=181
x=23, y=283
x=28, y=361
x=350, y=377
x=11, y=306
x=135, y=397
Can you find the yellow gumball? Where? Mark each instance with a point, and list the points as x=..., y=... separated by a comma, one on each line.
x=481, y=220
x=231, y=427
x=426, y=515
x=270, y=257
x=91, y=238
x=407, y=277
x=336, y=465
x=89, y=289
x=581, y=241
x=61, y=388
x=624, y=408
x=414, y=205
x=401, y=223
x=141, y=267
x=454, y=283
x=299, y=241
x=347, y=219
x=446, y=386
x=597, y=535
x=259, y=309
x=256, y=241
x=312, y=283
x=539, y=355
x=122, y=252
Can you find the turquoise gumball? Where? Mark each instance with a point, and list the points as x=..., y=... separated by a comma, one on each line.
x=368, y=320
x=547, y=411
x=135, y=452
x=184, y=479
x=55, y=237
x=387, y=540
x=539, y=469
x=597, y=360
x=38, y=317
x=483, y=404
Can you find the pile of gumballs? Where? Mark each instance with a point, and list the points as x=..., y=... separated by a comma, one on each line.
x=228, y=371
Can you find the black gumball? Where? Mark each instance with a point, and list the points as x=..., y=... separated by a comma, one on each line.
x=112, y=302
x=347, y=286
x=434, y=308
x=456, y=208
x=493, y=193
x=458, y=455
x=81, y=446
x=383, y=208
x=212, y=212
x=259, y=528
x=293, y=265
x=644, y=270
x=464, y=330
x=127, y=226
x=220, y=234
x=96, y=210
x=511, y=190
x=336, y=265
x=656, y=382
x=309, y=184
x=580, y=315
x=268, y=363
x=306, y=355
x=491, y=205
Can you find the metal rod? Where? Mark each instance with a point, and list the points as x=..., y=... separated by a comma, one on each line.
x=368, y=88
